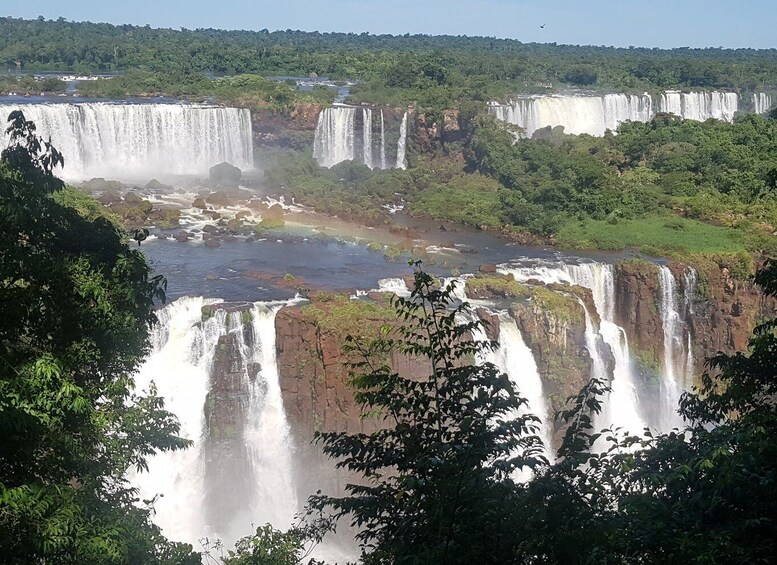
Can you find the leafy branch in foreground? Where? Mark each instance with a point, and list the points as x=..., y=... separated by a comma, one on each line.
x=437, y=485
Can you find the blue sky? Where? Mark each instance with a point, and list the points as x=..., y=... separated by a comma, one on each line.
x=647, y=23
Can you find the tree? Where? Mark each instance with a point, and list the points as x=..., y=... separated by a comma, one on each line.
x=77, y=304
x=437, y=478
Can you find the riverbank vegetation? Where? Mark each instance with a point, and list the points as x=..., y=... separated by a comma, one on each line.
x=669, y=187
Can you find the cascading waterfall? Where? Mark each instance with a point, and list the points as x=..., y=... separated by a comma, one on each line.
x=402, y=144
x=700, y=106
x=594, y=115
x=689, y=291
x=672, y=383
x=183, y=347
x=762, y=102
x=141, y=140
x=382, y=142
x=367, y=136
x=514, y=358
x=334, y=140
x=578, y=114
x=678, y=353
x=622, y=406
x=338, y=138
x=268, y=435
x=196, y=503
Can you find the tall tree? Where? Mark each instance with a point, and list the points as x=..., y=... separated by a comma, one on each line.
x=77, y=304
x=437, y=478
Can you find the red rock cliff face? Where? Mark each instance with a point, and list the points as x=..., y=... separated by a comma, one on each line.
x=725, y=309
x=314, y=373
x=272, y=127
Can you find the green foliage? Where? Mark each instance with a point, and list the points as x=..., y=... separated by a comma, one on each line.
x=77, y=306
x=339, y=315
x=437, y=486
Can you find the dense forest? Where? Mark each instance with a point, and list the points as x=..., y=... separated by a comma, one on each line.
x=670, y=187
x=396, y=68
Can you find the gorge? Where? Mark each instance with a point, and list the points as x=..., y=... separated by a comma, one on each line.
x=559, y=322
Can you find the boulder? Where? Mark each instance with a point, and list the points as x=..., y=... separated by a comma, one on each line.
x=154, y=184
x=225, y=174
x=199, y=202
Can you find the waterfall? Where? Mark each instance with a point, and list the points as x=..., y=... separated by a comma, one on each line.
x=621, y=406
x=593, y=115
x=402, y=144
x=672, y=383
x=232, y=477
x=689, y=290
x=382, y=142
x=678, y=366
x=367, y=136
x=334, y=138
x=268, y=435
x=577, y=114
x=338, y=138
x=762, y=102
x=515, y=359
x=141, y=140
x=700, y=106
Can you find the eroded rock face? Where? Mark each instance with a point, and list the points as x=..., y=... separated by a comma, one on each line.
x=637, y=299
x=726, y=309
x=559, y=347
x=723, y=313
x=314, y=373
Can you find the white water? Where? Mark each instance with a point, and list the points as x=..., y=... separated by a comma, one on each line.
x=396, y=285
x=367, y=136
x=338, y=139
x=689, y=291
x=621, y=406
x=382, y=141
x=762, y=102
x=672, y=382
x=678, y=365
x=402, y=144
x=142, y=140
x=268, y=435
x=335, y=136
x=594, y=115
x=514, y=358
x=180, y=365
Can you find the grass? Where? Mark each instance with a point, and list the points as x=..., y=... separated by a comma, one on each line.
x=665, y=235
x=338, y=315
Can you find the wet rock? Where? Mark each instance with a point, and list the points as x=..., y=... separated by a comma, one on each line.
x=154, y=184
x=487, y=268
x=182, y=236
x=200, y=203
x=212, y=242
x=225, y=174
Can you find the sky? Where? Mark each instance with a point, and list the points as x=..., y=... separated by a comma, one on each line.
x=647, y=23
